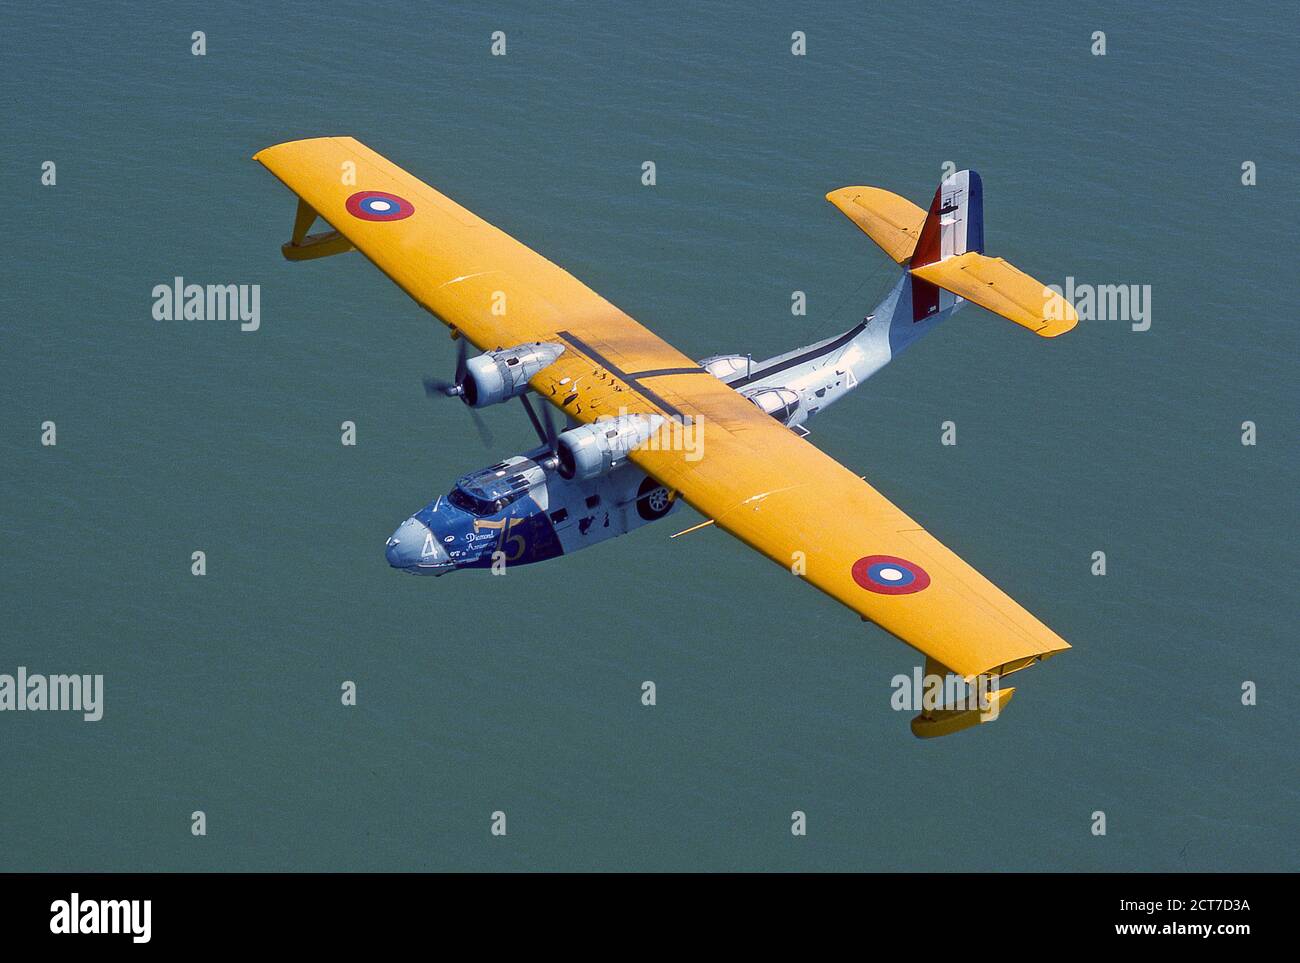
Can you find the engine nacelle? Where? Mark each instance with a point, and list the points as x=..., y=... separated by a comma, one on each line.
x=596, y=449
x=498, y=376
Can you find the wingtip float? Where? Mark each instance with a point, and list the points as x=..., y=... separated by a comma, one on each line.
x=586, y=484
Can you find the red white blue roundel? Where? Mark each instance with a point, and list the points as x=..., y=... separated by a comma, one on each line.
x=379, y=206
x=889, y=575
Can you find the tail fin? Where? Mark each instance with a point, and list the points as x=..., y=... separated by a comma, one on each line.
x=943, y=251
x=953, y=226
x=955, y=223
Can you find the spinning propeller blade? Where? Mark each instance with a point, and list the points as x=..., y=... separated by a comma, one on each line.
x=434, y=387
x=441, y=388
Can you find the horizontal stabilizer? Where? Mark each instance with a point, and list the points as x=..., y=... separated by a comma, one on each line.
x=891, y=221
x=994, y=284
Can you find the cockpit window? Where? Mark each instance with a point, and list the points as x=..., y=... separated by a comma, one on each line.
x=463, y=499
x=479, y=506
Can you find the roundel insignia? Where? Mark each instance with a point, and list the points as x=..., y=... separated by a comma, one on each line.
x=379, y=206
x=889, y=575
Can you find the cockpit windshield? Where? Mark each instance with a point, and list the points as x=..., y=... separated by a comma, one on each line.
x=477, y=505
x=490, y=491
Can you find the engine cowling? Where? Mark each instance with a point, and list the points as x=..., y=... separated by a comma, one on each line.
x=498, y=376
x=596, y=449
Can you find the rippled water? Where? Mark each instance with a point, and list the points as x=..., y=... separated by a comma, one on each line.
x=522, y=694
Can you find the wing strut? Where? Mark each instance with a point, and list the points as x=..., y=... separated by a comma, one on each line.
x=308, y=247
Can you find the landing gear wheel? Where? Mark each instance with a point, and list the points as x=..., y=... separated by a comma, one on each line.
x=653, y=500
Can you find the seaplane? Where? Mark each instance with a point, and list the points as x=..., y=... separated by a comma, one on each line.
x=646, y=428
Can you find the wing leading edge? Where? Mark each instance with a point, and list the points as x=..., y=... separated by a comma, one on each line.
x=756, y=479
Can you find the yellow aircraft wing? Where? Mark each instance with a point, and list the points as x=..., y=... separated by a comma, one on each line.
x=803, y=510
x=479, y=280
x=754, y=477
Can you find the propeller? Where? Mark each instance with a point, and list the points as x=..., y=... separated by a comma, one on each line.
x=433, y=387
x=438, y=388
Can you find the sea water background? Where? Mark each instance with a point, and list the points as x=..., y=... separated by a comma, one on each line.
x=522, y=694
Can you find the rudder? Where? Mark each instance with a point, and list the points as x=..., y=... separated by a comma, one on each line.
x=953, y=225
x=955, y=221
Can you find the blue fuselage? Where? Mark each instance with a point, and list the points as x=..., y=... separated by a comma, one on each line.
x=520, y=511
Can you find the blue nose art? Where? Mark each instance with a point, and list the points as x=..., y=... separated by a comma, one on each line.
x=414, y=548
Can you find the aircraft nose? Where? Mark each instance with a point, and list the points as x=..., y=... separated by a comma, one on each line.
x=413, y=547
